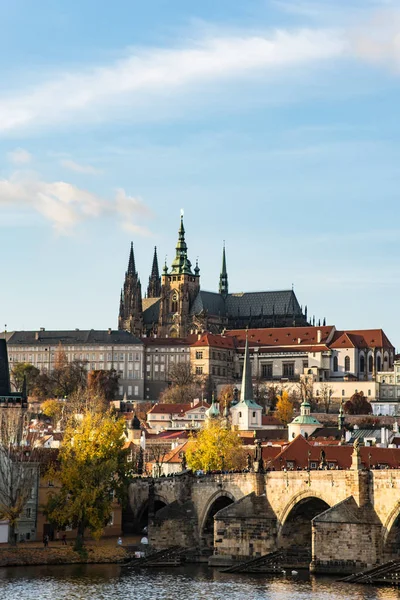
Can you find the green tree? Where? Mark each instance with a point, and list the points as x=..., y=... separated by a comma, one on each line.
x=92, y=467
x=215, y=448
x=21, y=371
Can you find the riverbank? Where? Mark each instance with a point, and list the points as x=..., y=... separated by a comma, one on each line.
x=101, y=552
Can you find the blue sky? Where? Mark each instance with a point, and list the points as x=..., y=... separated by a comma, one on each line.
x=272, y=123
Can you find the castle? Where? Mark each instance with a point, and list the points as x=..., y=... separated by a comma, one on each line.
x=176, y=306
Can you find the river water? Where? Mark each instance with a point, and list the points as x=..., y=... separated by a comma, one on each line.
x=192, y=582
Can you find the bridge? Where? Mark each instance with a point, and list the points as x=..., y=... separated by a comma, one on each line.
x=348, y=519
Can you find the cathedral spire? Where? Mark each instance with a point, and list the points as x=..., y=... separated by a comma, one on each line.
x=154, y=287
x=181, y=265
x=223, y=278
x=131, y=264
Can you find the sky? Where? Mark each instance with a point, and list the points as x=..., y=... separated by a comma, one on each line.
x=273, y=124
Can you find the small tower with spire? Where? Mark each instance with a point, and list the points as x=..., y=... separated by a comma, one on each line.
x=130, y=307
x=246, y=414
x=179, y=287
x=223, y=278
x=154, y=287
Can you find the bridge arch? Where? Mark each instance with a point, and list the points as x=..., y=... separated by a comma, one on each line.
x=391, y=533
x=143, y=512
x=216, y=502
x=294, y=528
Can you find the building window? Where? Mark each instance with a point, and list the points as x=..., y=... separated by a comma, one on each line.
x=335, y=364
x=347, y=364
x=362, y=364
x=343, y=393
x=369, y=392
x=129, y=390
x=370, y=363
x=266, y=370
x=378, y=364
x=199, y=354
x=199, y=370
x=136, y=390
x=130, y=356
x=313, y=465
x=288, y=369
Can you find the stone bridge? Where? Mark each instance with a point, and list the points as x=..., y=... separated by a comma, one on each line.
x=350, y=519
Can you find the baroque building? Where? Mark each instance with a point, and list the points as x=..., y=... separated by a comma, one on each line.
x=175, y=304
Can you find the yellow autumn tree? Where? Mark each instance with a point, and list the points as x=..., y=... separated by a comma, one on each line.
x=215, y=448
x=52, y=409
x=284, y=408
x=92, y=466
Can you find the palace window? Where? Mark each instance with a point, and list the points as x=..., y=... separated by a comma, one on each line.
x=335, y=364
x=266, y=370
x=378, y=364
x=288, y=369
x=199, y=370
x=362, y=364
x=347, y=363
x=199, y=354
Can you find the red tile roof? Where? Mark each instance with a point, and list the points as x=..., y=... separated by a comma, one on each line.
x=361, y=338
x=215, y=341
x=300, y=452
x=282, y=336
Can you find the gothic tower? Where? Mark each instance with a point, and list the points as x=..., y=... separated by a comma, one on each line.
x=179, y=288
x=130, y=308
x=154, y=287
x=223, y=278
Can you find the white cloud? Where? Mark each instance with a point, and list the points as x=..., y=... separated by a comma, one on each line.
x=19, y=156
x=65, y=205
x=78, y=168
x=379, y=41
x=156, y=72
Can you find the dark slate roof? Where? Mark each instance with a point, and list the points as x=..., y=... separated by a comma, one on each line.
x=262, y=303
x=151, y=310
x=210, y=302
x=91, y=336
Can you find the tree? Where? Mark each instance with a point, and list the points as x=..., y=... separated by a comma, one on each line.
x=104, y=383
x=357, y=405
x=326, y=391
x=284, y=408
x=52, y=409
x=272, y=391
x=185, y=385
x=24, y=371
x=92, y=467
x=226, y=395
x=215, y=448
x=305, y=390
x=18, y=471
x=261, y=395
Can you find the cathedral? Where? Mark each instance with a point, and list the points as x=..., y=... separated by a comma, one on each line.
x=175, y=305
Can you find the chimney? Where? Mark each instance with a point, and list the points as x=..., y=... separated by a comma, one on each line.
x=36, y=335
x=109, y=331
x=319, y=336
x=383, y=436
x=299, y=340
x=42, y=329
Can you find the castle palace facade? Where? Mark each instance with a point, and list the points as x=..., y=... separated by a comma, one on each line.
x=175, y=305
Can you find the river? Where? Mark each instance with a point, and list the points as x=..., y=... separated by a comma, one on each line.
x=192, y=582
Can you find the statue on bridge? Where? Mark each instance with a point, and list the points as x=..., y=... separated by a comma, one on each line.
x=249, y=462
x=322, y=460
x=183, y=461
x=258, y=459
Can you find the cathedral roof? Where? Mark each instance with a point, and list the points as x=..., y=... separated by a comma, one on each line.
x=248, y=304
x=210, y=302
x=151, y=310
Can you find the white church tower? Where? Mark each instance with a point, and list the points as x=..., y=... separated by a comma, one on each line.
x=246, y=414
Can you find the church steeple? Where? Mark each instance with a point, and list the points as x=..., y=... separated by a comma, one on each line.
x=130, y=307
x=181, y=265
x=154, y=287
x=246, y=390
x=223, y=278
